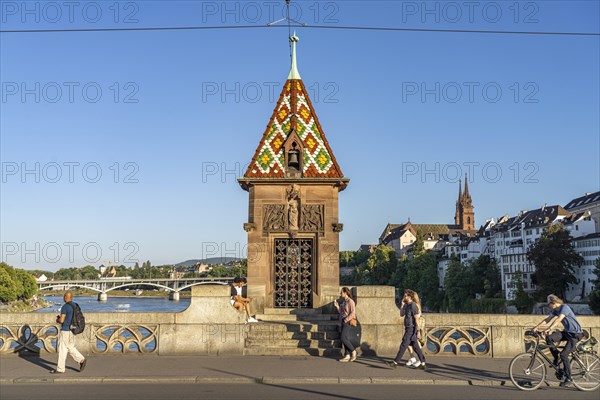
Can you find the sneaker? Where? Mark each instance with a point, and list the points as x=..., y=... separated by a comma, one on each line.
x=411, y=361
x=345, y=359
x=56, y=372
x=422, y=366
x=353, y=356
x=252, y=320
x=568, y=382
x=82, y=365
x=392, y=364
x=416, y=364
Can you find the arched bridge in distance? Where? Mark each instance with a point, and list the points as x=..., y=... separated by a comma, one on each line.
x=105, y=285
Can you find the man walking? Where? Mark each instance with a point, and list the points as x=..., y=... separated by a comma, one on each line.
x=66, y=340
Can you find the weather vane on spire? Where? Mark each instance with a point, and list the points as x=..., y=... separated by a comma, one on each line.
x=287, y=17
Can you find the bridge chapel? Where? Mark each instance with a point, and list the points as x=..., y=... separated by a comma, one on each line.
x=293, y=183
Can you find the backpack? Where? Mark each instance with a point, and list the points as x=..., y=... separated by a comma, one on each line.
x=422, y=329
x=78, y=320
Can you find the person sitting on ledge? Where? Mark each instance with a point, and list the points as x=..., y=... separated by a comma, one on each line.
x=238, y=301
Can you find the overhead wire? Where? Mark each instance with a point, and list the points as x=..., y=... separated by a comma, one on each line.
x=365, y=28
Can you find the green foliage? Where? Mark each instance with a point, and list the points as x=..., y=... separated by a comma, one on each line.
x=15, y=284
x=458, y=286
x=8, y=288
x=240, y=270
x=554, y=258
x=522, y=301
x=485, y=306
x=219, y=271
x=381, y=265
x=418, y=247
x=485, y=277
x=86, y=273
x=468, y=287
x=360, y=257
x=29, y=284
x=347, y=258
x=595, y=294
x=419, y=273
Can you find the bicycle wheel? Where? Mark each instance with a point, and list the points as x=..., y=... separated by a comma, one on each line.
x=527, y=371
x=585, y=371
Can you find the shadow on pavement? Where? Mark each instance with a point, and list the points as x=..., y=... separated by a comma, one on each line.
x=333, y=395
x=466, y=373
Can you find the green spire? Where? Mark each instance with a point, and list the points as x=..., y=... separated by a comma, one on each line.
x=294, y=74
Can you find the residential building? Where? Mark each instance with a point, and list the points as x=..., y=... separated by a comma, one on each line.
x=512, y=238
x=590, y=202
x=588, y=247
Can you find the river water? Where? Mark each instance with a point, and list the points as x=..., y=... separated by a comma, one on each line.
x=120, y=304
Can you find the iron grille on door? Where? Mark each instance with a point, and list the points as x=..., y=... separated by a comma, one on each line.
x=293, y=273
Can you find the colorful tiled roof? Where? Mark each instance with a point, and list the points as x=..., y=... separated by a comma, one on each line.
x=294, y=113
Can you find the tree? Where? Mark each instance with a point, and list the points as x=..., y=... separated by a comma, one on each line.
x=381, y=265
x=595, y=294
x=427, y=284
x=8, y=289
x=361, y=257
x=485, y=276
x=240, y=270
x=346, y=258
x=458, y=286
x=219, y=271
x=17, y=282
x=29, y=284
x=418, y=247
x=522, y=300
x=554, y=258
x=88, y=273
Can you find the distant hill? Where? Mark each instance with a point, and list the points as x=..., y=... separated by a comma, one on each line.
x=211, y=260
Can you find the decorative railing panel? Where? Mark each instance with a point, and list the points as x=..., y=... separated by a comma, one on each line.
x=132, y=338
x=459, y=340
x=17, y=338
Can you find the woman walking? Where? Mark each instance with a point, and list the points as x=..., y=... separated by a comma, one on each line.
x=411, y=311
x=347, y=312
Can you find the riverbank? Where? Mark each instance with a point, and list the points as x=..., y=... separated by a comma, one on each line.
x=33, y=304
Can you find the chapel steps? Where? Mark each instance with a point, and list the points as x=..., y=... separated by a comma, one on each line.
x=294, y=332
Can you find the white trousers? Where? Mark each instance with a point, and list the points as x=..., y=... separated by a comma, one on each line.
x=66, y=345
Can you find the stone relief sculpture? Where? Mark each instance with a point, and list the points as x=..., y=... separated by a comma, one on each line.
x=293, y=197
x=293, y=214
x=312, y=217
x=274, y=217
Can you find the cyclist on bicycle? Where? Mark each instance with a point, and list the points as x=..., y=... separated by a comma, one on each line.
x=572, y=333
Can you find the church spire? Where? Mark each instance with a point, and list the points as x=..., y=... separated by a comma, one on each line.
x=458, y=203
x=294, y=74
x=467, y=195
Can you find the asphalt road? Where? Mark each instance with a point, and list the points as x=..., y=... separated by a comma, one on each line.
x=276, y=392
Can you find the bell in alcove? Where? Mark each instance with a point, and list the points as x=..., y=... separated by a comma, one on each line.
x=293, y=158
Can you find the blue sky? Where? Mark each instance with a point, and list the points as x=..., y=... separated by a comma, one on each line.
x=178, y=114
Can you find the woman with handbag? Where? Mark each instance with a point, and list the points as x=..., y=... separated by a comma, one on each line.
x=411, y=312
x=348, y=320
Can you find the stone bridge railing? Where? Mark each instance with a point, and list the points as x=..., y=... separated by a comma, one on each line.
x=210, y=326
